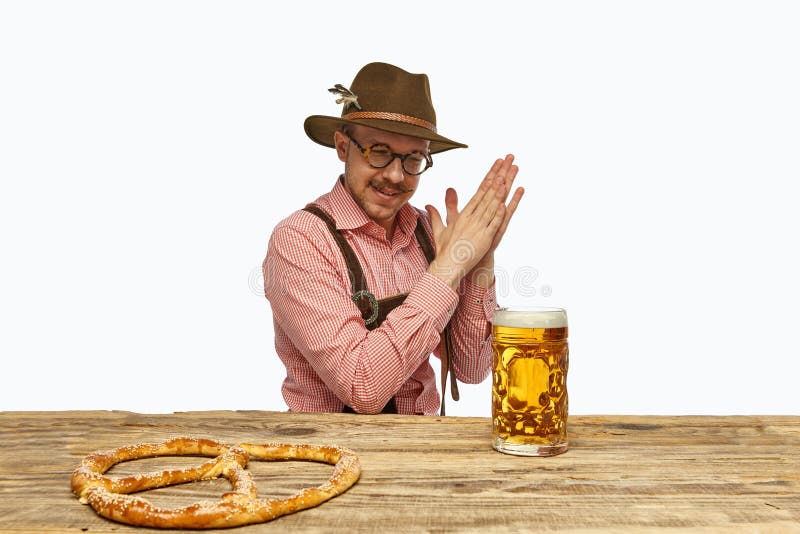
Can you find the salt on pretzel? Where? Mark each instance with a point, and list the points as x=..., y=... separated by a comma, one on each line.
x=109, y=496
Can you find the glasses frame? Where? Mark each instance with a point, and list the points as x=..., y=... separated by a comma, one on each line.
x=402, y=157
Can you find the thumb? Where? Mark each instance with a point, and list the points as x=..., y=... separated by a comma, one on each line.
x=436, y=220
x=451, y=203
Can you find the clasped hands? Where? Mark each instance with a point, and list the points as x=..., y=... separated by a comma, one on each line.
x=466, y=244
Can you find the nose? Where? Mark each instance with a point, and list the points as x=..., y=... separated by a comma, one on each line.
x=394, y=171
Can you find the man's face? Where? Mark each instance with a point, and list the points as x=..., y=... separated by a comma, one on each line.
x=380, y=192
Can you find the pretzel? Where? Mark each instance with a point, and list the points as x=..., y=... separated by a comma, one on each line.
x=240, y=506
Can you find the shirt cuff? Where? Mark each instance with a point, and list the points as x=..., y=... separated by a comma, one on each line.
x=435, y=298
x=478, y=300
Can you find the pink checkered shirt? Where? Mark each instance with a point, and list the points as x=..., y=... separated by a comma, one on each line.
x=331, y=358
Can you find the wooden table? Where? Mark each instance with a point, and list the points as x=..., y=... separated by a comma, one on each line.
x=431, y=474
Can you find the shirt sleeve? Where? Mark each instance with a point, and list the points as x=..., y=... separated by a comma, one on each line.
x=471, y=330
x=309, y=294
x=470, y=326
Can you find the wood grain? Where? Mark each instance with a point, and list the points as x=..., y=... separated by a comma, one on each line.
x=430, y=474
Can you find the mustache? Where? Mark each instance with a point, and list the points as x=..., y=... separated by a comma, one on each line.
x=396, y=188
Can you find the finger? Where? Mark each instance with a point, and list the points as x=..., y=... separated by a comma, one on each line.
x=484, y=187
x=510, y=209
x=512, y=206
x=510, y=177
x=451, y=203
x=508, y=161
x=508, y=171
x=436, y=221
x=506, y=164
x=492, y=202
x=493, y=170
x=497, y=220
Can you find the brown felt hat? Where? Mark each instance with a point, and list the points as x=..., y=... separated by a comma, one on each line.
x=387, y=98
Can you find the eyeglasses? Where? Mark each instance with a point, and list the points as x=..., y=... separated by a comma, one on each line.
x=379, y=156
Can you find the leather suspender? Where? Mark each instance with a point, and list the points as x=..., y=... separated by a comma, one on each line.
x=373, y=311
x=447, y=352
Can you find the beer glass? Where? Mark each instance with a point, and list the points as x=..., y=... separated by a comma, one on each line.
x=529, y=381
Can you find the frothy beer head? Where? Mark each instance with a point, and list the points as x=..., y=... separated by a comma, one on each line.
x=531, y=317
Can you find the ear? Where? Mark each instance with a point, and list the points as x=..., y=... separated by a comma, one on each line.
x=342, y=144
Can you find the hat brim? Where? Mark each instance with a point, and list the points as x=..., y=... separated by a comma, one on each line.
x=320, y=129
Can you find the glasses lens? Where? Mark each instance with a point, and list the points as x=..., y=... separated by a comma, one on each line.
x=379, y=156
x=415, y=163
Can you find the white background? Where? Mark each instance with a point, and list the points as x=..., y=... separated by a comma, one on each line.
x=148, y=148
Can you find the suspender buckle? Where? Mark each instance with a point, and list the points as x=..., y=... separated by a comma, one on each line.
x=373, y=303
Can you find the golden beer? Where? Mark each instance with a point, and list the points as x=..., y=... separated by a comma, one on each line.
x=529, y=381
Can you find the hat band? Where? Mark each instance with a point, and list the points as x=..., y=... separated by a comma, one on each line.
x=399, y=117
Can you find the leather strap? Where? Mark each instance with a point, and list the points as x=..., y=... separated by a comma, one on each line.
x=354, y=271
x=361, y=295
x=447, y=348
x=366, y=305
